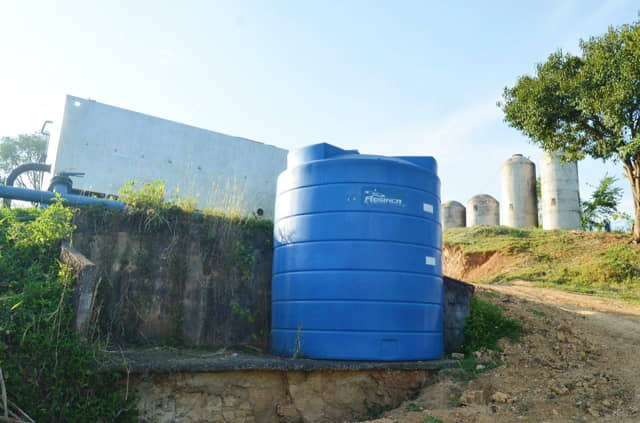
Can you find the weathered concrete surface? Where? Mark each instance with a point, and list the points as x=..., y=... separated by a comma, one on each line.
x=188, y=280
x=273, y=396
x=86, y=280
x=192, y=281
x=174, y=360
x=457, y=300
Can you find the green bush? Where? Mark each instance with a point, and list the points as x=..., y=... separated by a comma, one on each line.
x=143, y=196
x=486, y=324
x=48, y=371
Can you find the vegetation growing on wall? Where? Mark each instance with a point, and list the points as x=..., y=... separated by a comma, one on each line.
x=168, y=246
x=48, y=371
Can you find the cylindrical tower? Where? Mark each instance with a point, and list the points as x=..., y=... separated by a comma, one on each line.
x=519, y=208
x=483, y=210
x=454, y=215
x=560, y=193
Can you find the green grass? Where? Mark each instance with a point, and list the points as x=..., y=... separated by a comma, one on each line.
x=601, y=263
x=486, y=324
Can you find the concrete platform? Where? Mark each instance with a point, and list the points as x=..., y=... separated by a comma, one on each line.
x=174, y=360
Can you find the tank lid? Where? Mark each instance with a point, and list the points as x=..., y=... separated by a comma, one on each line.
x=324, y=151
x=482, y=197
x=517, y=158
x=315, y=152
x=452, y=203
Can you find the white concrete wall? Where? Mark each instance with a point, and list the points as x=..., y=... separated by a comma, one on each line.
x=113, y=145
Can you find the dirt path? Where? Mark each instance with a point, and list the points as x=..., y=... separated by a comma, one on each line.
x=579, y=361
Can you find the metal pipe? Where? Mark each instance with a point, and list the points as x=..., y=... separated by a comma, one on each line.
x=36, y=196
x=27, y=167
x=44, y=125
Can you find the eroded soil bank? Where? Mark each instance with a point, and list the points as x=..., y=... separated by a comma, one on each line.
x=576, y=362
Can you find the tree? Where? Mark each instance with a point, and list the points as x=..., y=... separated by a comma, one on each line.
x=586, y=105
x=603, y=204
x=25, y=148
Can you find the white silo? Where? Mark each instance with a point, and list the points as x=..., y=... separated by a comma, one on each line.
x=560, y=192
x=483, y=209
x=519, y=208
x=454, y=215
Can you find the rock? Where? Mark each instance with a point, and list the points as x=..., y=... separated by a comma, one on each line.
x=480, y=367
x=503, y=343
x=560, y=389
x=457, y=356
x=565, y=329
x=500, y=397
x=607, y=403
x=472, y=398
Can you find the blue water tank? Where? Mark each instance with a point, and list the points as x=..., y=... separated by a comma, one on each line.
x=357, y=270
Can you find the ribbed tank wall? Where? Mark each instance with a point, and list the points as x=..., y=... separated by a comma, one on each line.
x=454, y=215
x=519, y=202
x=357, y=270
x=483, y=209
x=560, y=192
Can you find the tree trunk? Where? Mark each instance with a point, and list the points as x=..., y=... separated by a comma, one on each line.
x=633, y=175
x=636, y=212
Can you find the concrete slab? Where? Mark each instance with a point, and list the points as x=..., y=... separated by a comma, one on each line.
x=173, y=360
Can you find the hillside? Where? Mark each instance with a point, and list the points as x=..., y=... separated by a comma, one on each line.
x=605, y=264
x=573, y=362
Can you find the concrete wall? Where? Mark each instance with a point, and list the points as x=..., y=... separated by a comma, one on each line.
x=113, y=145
x=190, y=280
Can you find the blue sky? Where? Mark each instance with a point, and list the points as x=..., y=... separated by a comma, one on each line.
x=385, y=77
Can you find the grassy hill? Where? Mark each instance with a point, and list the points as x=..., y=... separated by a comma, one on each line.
x=589, y=262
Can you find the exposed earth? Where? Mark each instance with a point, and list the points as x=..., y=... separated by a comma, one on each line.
x=578, y=361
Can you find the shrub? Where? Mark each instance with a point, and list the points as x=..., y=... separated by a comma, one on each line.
x=48, y=371
x=486, y=324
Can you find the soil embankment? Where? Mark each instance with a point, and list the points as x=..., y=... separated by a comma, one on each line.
x=575, y=363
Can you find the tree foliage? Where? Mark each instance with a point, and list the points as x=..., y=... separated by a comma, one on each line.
x=603, y=204
x=587, y=105
x=25, y=148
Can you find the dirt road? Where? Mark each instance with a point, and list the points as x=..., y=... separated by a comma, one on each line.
x=578, y=361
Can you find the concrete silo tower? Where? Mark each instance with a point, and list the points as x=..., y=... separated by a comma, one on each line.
x=454, y=215
x=483, y=209
x=519, y=208
x=560, y=193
